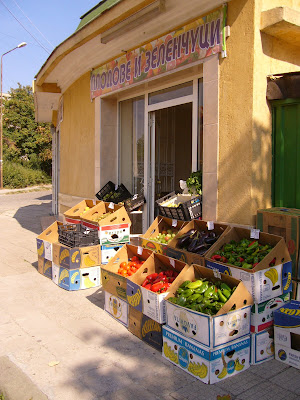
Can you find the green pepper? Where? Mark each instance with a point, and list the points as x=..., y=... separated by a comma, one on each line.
x=200, y=298
x=247, y=266
x=179, y=291
x=181, y=301
x=252, y=246
x=173, y=300
x=221, y=296
x=217, y=305
x=227, y=293
x=202, y=288
x=193, y=298
x=184, y=284
x=209, y=292
x=207, y=302
x=237, y=263
x=225, y=286
x=187, y=293
x=228, y=247
x=194, y=285
x=231, y=260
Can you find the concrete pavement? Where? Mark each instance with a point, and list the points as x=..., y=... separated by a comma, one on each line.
x=62, y=345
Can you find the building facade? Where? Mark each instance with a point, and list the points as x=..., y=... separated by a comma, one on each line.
x=145, y=92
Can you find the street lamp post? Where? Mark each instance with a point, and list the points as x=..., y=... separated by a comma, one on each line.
x=1, y=112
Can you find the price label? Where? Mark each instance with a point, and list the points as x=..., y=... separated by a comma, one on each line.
x=217, y=273
x=140, y=250
x=174, y=222
x=210, y=225
x=254, y=234
x=172, y=262
x=112, y=206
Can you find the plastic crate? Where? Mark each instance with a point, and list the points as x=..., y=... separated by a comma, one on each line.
x=134, y=202
x=109, y=187
x=119, y=195
x=185, y=211
x=76, y=235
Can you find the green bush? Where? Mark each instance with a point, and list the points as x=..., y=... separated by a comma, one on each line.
x=17, y=176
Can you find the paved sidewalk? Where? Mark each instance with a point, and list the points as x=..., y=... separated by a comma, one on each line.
x=62, y=345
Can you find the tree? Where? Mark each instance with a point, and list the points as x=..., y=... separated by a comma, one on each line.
x=24, y=140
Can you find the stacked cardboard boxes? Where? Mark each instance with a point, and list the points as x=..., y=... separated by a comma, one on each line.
x=270, y=286
x=209, y=347
x=284, y=222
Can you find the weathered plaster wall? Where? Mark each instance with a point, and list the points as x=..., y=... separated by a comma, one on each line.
x=77, y=142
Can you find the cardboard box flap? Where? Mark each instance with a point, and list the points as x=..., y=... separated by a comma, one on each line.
x=279, y=252
x=240, y=297
x=125, y=253
x=199, y=225
x=78, y=209
x=116, y=214
x=157, y=263
x=161, y=224
x=51, y=233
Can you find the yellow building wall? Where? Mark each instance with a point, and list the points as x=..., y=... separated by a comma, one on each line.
x=245, y=124
x=77, y=141
x=235, y=116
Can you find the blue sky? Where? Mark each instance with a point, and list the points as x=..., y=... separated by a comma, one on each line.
x=43, y=25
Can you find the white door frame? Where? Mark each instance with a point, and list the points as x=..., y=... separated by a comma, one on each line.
x=149, y=129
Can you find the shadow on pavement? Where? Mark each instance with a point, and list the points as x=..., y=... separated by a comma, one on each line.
x=45, y=198
x=29, y=217
x=98, y=298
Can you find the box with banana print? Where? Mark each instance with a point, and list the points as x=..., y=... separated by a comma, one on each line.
x=268, y=278
x=76, y=279
x=207, y=365
x=76, y=257
x=262, y=346
x=46, y=239
x=45, y=267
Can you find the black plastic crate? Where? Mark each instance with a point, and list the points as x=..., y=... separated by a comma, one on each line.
x=118, y=196
x=107, y=190
x=76, y=235
x=186, y=211
x=134, y=202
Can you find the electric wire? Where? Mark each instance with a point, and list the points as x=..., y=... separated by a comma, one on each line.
x=40, y=44
x=33, y=24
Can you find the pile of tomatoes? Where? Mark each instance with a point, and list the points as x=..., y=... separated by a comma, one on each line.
x=160, y=283
x=129, y=268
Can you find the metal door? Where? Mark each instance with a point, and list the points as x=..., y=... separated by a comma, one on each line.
x=286, y=153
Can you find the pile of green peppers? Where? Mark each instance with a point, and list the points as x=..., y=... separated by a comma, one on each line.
x=245, y=253
x=202, y=295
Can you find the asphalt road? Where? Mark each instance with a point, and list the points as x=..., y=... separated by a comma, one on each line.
x=15, y=200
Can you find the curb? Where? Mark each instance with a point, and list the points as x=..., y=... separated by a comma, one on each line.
x=25, y=190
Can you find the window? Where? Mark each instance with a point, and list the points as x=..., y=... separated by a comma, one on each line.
x=131, y=166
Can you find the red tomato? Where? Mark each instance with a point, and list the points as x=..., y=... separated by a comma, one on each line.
x=123, y=264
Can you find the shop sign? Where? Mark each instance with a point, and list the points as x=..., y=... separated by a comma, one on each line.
x=184, y=46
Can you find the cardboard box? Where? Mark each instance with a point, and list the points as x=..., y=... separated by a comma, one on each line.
x=114, y=283
x=262, y=346
x=211, y=331
x=109, y=251
x=283, y=222
x=114, y=228
x=287, y=333
x=76, y=257
x=172, y=250
x=258, y=280
x=207, y=365
x=262, y=313
x=76, y=279
x=74, y=214
x=159, y=225
x=117, y=308
x=45, y=267
x=46, y=239
x=295, y=290
x=149, y=303
x=145, y=328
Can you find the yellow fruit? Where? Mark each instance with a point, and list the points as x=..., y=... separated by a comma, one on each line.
x=237, y=365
